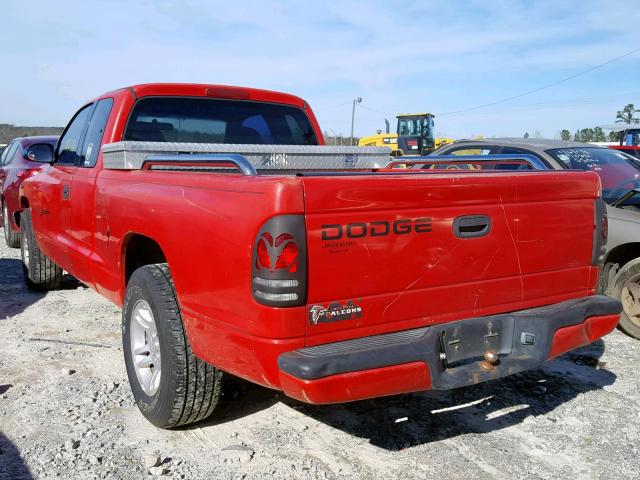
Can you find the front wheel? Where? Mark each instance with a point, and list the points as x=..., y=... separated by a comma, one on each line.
x=171, y=386
x=40, y=273
x=627, y=289
x=12, y=239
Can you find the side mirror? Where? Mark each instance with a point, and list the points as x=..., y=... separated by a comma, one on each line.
x=39, y=152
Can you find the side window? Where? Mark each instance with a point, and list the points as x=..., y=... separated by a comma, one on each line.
x=470, y=151
x=9, y=153
x=259, y=124
x=515, y=151
x=93, y=138
x=69, y=143
x=294, y=127
x=4, y=155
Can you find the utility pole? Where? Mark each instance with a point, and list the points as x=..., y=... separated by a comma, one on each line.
x=353, y=115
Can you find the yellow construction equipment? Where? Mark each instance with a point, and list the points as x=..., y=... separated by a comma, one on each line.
x=414, y=136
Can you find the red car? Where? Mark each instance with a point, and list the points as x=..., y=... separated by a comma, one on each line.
x=236, y=242
x=21, y=158
x=629, y=141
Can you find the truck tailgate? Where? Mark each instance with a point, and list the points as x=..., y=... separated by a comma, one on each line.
x=393, y=251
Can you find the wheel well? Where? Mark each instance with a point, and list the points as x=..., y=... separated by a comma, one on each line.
x=16, y=214
x=624, y=253
x=139, y=251
x=24, y=203
x=617, y=258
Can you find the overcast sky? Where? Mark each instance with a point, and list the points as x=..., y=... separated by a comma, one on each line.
x=399, y=56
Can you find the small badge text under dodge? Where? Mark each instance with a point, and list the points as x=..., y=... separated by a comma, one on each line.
x=334, y=312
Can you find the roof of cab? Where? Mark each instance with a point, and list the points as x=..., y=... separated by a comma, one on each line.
x=210, y=90
x=535, y=144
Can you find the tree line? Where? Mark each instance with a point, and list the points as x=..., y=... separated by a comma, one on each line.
x=339, y=140
x=9, y=132
x=596, y=134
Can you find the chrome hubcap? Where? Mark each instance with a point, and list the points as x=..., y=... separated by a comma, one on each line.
x=145, y=347
x=630, y=298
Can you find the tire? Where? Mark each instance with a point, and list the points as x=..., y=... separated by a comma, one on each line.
x=186, y=389
x=626, y=288
x=12, y=239
x=40, y=273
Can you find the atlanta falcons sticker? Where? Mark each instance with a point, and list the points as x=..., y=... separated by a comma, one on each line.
x=334, y=312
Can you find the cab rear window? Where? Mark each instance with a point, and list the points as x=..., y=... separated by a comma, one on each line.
x=209, y=120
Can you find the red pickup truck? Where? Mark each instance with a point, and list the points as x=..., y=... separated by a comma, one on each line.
x=235, y=241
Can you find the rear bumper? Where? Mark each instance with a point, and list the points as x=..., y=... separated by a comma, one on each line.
x=444, y=356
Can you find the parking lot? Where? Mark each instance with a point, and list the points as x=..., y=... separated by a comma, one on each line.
x=66, y=411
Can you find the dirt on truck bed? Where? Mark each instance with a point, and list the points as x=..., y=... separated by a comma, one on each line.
x=66, y=411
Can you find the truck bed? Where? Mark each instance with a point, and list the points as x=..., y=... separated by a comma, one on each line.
x=386, y=241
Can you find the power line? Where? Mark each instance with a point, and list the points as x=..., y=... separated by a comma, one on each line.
x=376, y=111
x=552, y=84
x=328, y=107
x=568, y=103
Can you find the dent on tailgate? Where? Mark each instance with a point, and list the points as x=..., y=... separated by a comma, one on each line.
x=383, y=255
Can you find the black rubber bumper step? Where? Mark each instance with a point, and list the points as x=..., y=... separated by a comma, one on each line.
x=522, y=340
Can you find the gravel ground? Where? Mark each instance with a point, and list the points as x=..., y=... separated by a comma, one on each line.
x=66, y=411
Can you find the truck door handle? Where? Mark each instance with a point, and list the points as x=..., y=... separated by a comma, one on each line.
x=471, y=226
x=66, y=191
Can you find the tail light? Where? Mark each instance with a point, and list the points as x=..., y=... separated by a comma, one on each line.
x=279, y=262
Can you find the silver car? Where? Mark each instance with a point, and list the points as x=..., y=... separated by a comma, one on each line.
x=620, y=177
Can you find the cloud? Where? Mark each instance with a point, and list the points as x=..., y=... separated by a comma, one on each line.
x=398, y=56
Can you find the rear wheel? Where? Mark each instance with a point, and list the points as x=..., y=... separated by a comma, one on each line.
x=40, y=273
x=12, y=239
x=170, y=385
x=627, y=289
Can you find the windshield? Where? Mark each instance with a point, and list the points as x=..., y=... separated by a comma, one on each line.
x=210, y=120
x=618, y=171
x=415, y=127
x=632, y=138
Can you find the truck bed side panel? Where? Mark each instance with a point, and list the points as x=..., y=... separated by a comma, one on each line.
x=206, y=226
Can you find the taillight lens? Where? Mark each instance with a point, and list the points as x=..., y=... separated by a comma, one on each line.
x=288, y=259
x=279, y=254
x=263, y=260
x=279, y=262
